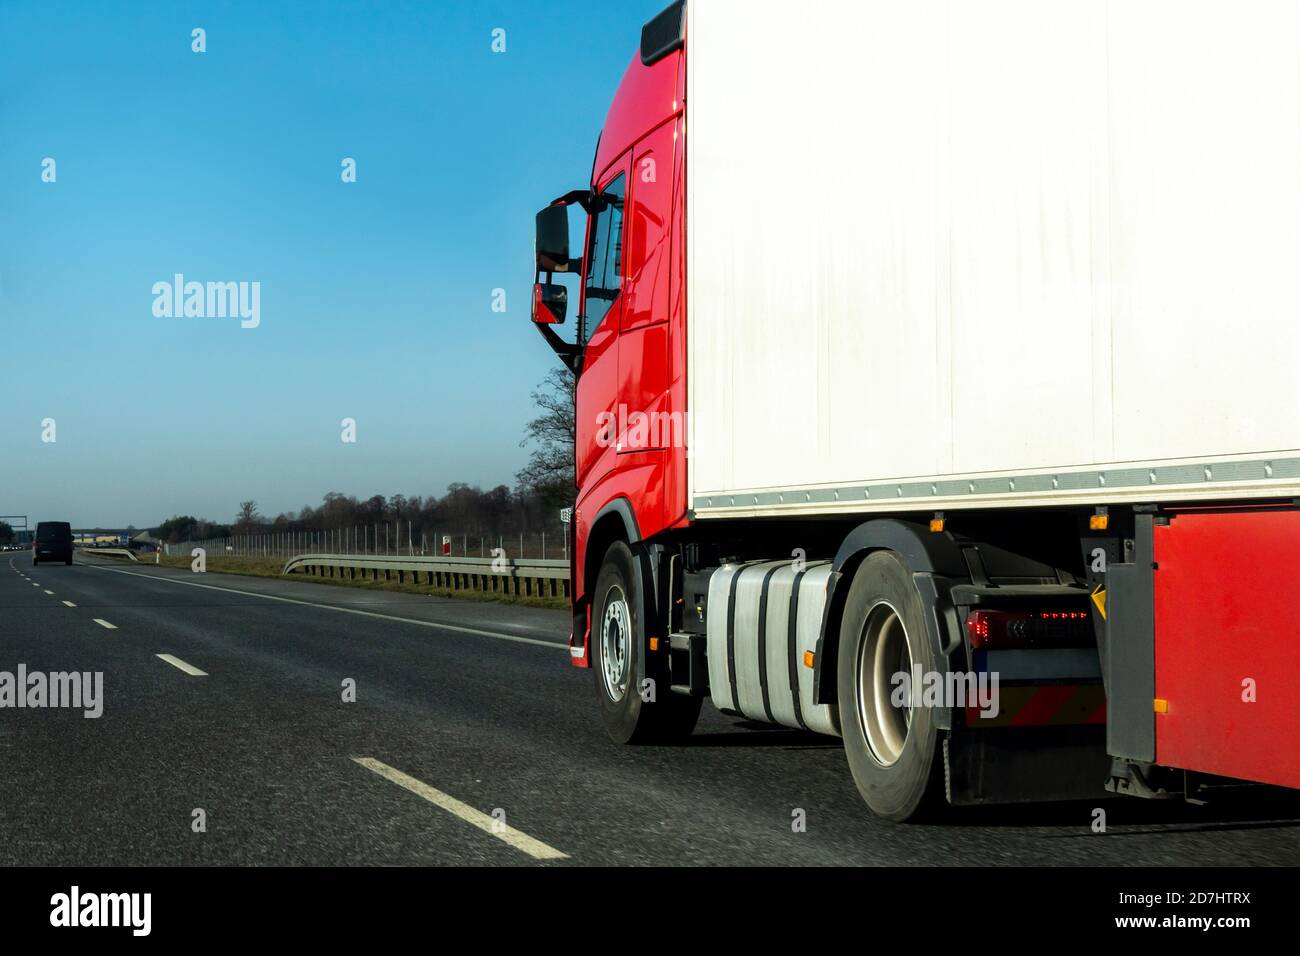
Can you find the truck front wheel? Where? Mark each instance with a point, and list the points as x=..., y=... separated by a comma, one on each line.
x=636, y=704
x=890, y=748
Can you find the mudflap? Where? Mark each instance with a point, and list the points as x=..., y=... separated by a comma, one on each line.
x=1026, y=765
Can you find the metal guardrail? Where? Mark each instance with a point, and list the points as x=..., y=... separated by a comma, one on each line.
x=523, y=577
x=113, y=552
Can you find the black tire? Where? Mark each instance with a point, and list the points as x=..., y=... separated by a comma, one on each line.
x=628, y=717
x=896, y=768
x=68, y=562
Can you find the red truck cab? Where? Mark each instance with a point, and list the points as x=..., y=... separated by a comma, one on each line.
x=629, y=351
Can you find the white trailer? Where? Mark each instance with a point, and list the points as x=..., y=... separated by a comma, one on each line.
x=949, y=255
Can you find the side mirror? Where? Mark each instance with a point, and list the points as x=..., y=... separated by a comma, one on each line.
x=553, y=239
x=550, y=303
x=551, y=300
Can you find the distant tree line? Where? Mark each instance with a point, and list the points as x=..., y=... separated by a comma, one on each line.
x=463, y=510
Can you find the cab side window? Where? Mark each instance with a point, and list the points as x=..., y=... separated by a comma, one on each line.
x=605, y=262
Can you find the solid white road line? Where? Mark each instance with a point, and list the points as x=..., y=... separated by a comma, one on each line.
x=343, y=610
x=180, y=664
x=69, y=604
x=506, y=834
x=103, y=623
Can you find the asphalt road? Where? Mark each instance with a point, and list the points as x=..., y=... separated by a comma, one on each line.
x=471, y=741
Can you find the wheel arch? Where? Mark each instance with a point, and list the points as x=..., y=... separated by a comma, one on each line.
x=615, y=521
x=925, y=556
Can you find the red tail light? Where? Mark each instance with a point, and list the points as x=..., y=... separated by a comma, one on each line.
x=1028, y=628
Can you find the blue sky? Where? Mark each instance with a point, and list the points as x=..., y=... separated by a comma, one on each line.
x=225, y=166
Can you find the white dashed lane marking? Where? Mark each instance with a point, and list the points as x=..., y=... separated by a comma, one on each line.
x=506, y=834
x=181, y=665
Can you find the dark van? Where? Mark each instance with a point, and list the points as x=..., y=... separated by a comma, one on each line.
x=53, y=542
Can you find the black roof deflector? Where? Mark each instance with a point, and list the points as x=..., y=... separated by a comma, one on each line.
x=664, y=34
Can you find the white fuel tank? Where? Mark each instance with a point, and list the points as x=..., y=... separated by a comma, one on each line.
x=762, y=617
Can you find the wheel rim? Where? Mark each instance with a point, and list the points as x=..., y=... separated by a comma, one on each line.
x=615, y=642
x=883, y=652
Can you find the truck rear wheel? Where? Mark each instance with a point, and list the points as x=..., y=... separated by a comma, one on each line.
x=636, y=704
x=891, y=749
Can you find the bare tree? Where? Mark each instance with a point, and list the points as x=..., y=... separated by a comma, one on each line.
x=549, y=472
x=247, y=519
